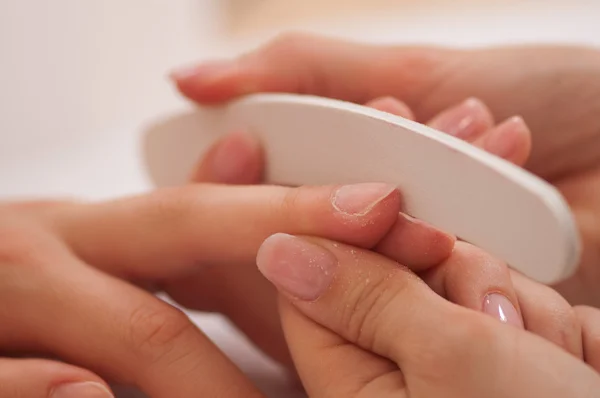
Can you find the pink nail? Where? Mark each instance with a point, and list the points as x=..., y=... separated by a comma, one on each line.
x=208, y=70
x=234, y=157
x=501, y=308
x=301, y=269
x=464, y=121
x=360, y=199
x=502, y=140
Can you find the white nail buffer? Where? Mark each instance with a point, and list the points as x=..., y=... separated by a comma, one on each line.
x=451, y=184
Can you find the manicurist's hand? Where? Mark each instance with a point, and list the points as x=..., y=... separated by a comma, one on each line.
x=360, y=325
x=556, y=89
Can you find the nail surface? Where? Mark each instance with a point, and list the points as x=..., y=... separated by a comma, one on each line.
x=298, y=267
x=234, y=158
x=81, y=390
x=501, y=308
x=465, y=121
x=208, y=70
x=503, y=139
x=359, y=199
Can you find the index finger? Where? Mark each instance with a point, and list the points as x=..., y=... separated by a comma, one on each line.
x=308, y=64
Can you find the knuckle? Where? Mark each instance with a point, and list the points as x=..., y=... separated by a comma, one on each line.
x=369, y=305
x=21, y=244
x=287, y=206
x=155, y=328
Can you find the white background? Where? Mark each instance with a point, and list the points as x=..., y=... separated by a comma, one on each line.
x=79, y=79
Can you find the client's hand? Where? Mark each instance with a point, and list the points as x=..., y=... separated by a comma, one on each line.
x=361, y=325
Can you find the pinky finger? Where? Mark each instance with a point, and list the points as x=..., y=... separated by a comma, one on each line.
x=37, y=378
x=589, y=318
x=510, y=140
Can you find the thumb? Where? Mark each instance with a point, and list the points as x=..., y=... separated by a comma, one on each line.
x=301, y=63
x=36, y=378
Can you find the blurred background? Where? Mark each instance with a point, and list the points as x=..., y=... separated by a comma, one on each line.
x=79, y=80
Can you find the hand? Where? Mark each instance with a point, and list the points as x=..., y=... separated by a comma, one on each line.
x=237, y=159
x=360, y=325
x=71, y=278
x=555, y=88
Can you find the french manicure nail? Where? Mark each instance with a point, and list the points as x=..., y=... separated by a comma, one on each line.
x=300, y=268
x=208, y=70
x=501, y=308
x=359, y=199
x=81, y=390
x=463, y=121
x=503, y=139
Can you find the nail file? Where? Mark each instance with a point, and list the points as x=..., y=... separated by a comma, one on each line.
x=446, y=182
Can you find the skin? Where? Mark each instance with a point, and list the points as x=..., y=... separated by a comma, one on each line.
x=554, y=88
x=353, y=337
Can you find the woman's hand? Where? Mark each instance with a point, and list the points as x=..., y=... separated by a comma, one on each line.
x=361, y=325
x=72, y=278
x=556, y=89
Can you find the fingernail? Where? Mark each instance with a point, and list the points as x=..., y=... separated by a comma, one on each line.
x=81, y=390
x=235, y=158
x=360, y=199
x=208, y=70
x=502, y=140
x=301, y=269
x=501, y=308
x=464, y=121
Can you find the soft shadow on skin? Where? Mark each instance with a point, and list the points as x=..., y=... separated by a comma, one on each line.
x=171, y=146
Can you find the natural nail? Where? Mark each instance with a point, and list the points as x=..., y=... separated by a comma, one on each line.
x=360, y=199
x=501, y=308
x=464, y=121
x=81, y=390
x=208, y=70
x=300, y=268
x=234, y=158
x=502, y=140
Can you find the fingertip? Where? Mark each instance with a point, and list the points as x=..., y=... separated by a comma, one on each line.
x=235, y=159
x=393, y=106
x=214, y=82
x=510, y=140
x=363, y=213
x=416, y=244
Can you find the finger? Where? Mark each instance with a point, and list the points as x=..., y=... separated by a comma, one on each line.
x=589, y=319
x=547, y=314
x=36, y=378
x=77, y=313
x=510, y=140
x=340, y=286
x=219, y=225
x=473, y=279
x=391, y=105
x=467, y=120
x=330, y=366
x=235, y=159
x=301, y=63
x=370, y=301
